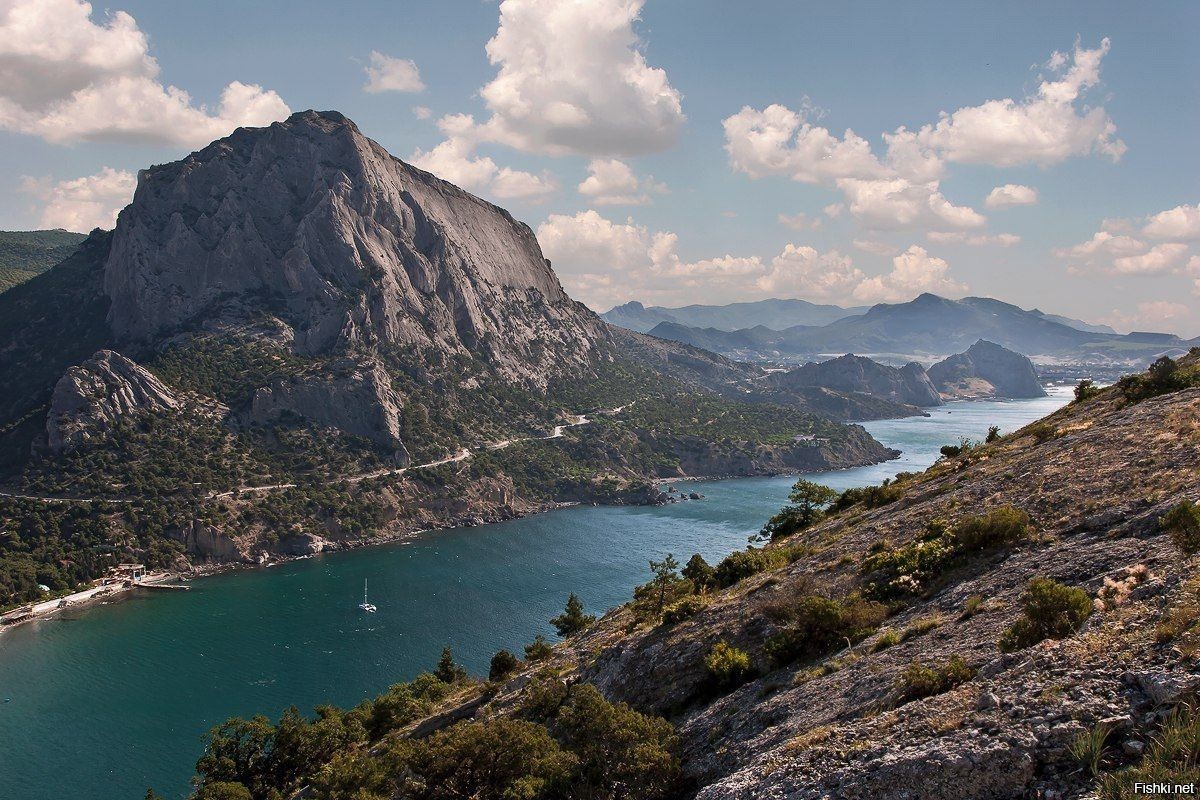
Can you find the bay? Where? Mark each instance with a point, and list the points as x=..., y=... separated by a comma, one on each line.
x=114, y=699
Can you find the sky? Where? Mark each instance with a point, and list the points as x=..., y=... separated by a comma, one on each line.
x=681, y=151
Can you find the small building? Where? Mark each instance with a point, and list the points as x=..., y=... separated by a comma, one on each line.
x=129, y=572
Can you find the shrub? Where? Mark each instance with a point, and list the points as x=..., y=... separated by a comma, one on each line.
x=447, y=670
x=1163, y=377
x=972, y=606
x=1086, y=390
x=993, y=434
x=572, y=620
x=820, y=625
x=1042, y=431
x=919, y=681
x=1002, y=526
x=1051, y=611
x=503, y=664
x=869, y=496
x=889, y=638
x=742, y=564
x=698, y=571
x=808, y=501
x=1182, y=522
x=728, y=666
x=683, y=609
x=539, y=650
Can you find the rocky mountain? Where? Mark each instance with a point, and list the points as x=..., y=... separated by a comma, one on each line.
x=774, y=314
x=850, y=373
x=932, y=327
x=294, y=340
x=1077, y=324
x=24, y=254
x=986, y=370
x=1021, y=620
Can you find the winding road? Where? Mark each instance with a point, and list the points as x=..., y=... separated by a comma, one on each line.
x=461, y=455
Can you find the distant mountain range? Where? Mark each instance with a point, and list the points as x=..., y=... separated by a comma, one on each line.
x=930, y=327
x=774, y=314
x=24, y=254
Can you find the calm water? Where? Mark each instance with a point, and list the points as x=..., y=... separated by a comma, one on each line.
x=112, y=701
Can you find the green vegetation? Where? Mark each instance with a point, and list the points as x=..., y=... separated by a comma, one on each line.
x=1050, y=611
x=1164, y=376
x=447, y=670
x=502, y=665
x=728, y=667
x=919, y=681
x=1182, y=522
x=680, y=610
x=807, y=503
x=25, y=254
x=650, y=600
x=912, y=569
x=887, y=492
x=1172, y=757
x=572, y=620
x=1088, y=748
x=818, y=626
x=1086, y=390
x=744, y=563
x=539, y=649
x=699, y=572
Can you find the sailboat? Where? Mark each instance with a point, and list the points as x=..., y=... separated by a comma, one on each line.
x=364, y=605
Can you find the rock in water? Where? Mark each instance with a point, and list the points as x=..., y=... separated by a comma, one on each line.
x=986, y=370
x=310, y=221
x=851, y=373
x=90, y=398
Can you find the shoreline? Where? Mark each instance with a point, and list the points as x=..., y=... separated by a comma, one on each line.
x=86, y=598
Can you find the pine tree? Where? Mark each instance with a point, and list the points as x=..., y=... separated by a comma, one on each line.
x=447, y=671
x=572, y=620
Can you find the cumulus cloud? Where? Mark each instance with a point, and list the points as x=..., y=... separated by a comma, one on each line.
x=422, y=112
x=914, y=271
x=388, y=74
x=901, y=189
x=1179, y=223
x=455, y=160
x=1047, y=128
x=66, y=78
x=1154, y=315
x=605, y=262
x=1158, y=260
x=876, y=248
x=84, y=203
x=611, y=181
x=572, y=79
x=1011, y=194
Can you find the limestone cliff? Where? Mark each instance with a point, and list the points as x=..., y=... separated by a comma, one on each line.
x=310, y=221
x=986, y=370
x=90, y=398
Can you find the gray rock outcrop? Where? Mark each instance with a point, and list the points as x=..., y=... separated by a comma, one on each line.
x=312, y=222
x=356, y=398
x=90, y=398
x=986, y=370
x=850, y=373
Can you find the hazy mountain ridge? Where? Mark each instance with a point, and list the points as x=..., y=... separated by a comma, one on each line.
x=24, y=254
x=775, y=314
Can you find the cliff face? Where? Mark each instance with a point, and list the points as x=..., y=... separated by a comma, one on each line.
x=90, y=399
x=310, y=221
x=986, y=370
x=850, y=373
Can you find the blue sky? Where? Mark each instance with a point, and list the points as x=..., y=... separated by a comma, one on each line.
x=715, y=134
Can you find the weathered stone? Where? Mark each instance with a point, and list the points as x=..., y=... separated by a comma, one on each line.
x=986, y=370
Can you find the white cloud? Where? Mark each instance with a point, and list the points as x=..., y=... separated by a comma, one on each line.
x=1158, y=260
x=979, y=240
x=800, y=221
x=1011, y=194
x=611, y=181
x=1103, y=244
x=834, y=210
x=1179, y=223
x=876, y=248
x=897, y=204
x=84, y=203
x=65, y=78
x=914, y=271
x=1044, y=129
x=779, y=141
x=456, y=161
x=422, y=112
x=605, y=262
x=1154, y=315
x=572, y=79
x=388, y=74
x=805, y=272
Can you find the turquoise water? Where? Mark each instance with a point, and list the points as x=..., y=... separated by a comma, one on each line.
x=114, y=700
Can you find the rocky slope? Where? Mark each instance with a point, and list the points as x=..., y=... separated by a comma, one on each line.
x=986, y=370
x=924, y=699
x=850, y=373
